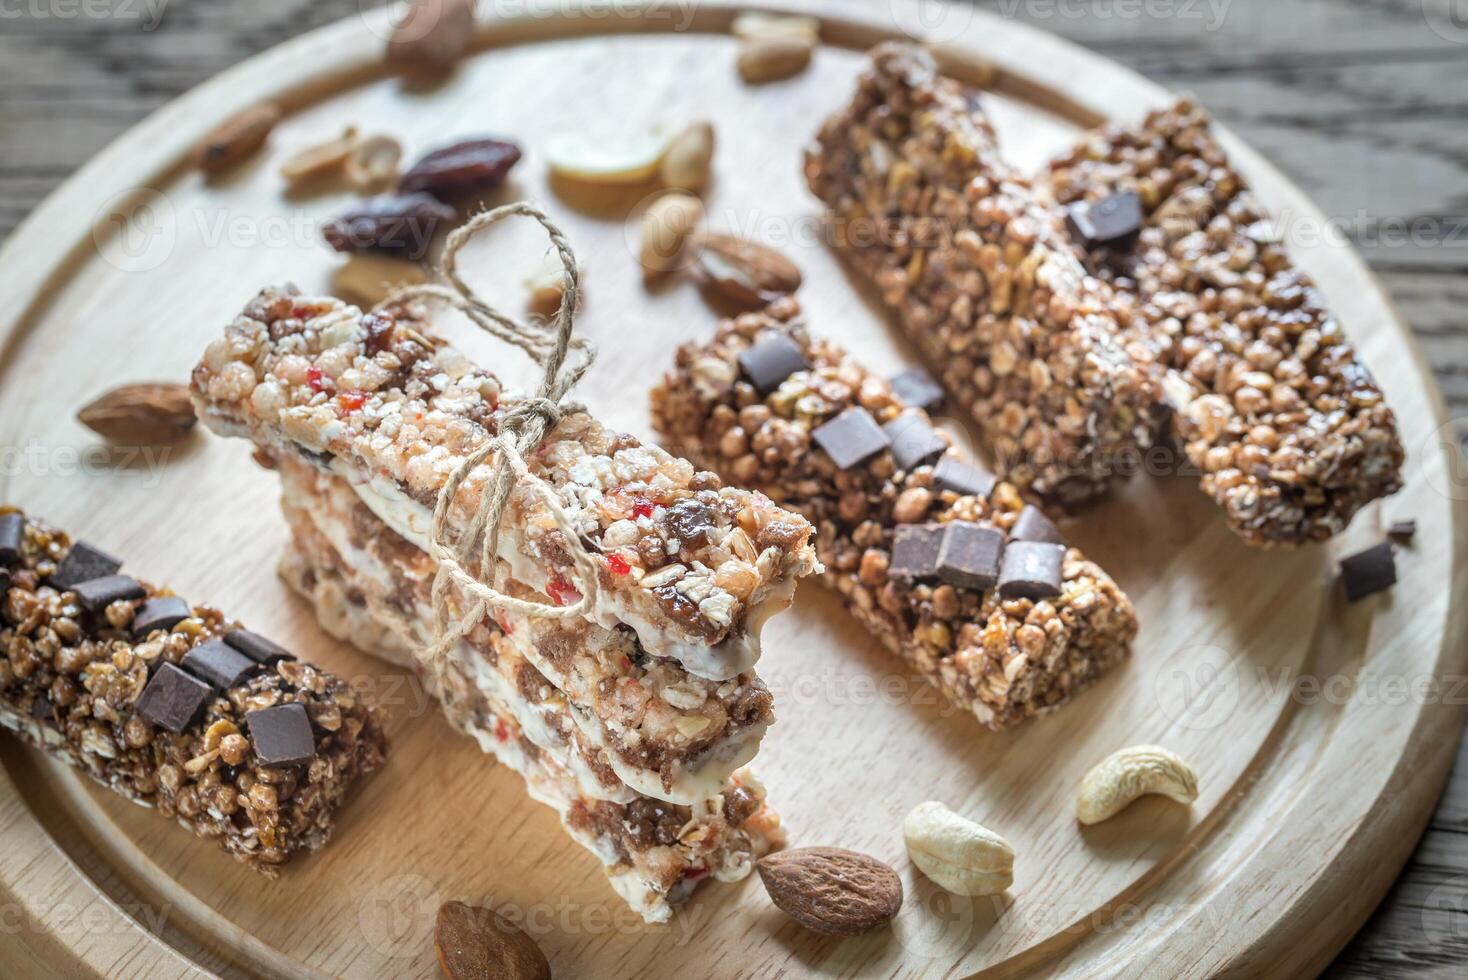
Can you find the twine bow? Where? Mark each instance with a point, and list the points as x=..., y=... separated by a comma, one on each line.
x=521, y=429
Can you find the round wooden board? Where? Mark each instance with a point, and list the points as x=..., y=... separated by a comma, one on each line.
x=1309, y=802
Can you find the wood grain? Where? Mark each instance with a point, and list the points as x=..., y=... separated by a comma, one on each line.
x=126, y=85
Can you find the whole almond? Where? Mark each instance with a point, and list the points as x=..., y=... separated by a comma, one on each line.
x=432, y=37
x=832, y=891
x=480, y=944
x=667, y=226
x=771, y=57
x=141, y=414
x=236, y=138
x=688, y=162
x=746, y=273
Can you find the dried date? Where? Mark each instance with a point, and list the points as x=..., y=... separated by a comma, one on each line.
x=474, y=165
x=399, y=224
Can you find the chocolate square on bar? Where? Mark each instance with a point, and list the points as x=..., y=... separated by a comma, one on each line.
x=915, y=550
x=218, y=663
x=1031, y=570
x=82, y=564
x=1110, y=221
x=1033, y=525
x=970, y=555
x=172, y=698
x=1403, y=531
x=962, y=478
x=257, y=647
x=97, y=594
x=282, y=734
x=914, y=441
x=1369, y=572
x=162, y=613
x=917, y=389
x=768, y=363
x=12, y=530
x=851, y=437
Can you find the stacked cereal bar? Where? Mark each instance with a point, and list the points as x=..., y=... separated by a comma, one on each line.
x=650, y=704
x=946, y=565
x=982, y=277
x=1287, y=425
x=172, y=705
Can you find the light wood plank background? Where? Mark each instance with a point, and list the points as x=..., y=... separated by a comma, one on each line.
x=1361, y=102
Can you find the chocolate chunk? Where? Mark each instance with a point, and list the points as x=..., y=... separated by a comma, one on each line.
x=961, y=478
x=257, y=647
x=1403, y=531
x=163, y=613
x=851, y=437
x=768, y=363
x=969, y=557
x=12, y=529
x=172, y=698
x=1033, y=525
x=917, y=389
x=97, y=594
x=82, y=564
x=282, y=734
x=1368, y=572
x=915, y=550
x=1031, y=570
x=1110, y=221
x=914, y=441
x=218, y=663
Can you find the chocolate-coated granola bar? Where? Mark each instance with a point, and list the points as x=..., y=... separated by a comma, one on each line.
x=1272, y=405
x=947, y=566
x=173, y=705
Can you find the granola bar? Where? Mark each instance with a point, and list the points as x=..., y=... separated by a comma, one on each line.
x=376, y=399
x=654, y=852
x=1289, y=429
x=946, y=565
x=173, y=705
x=981, y=275
x=625, y=718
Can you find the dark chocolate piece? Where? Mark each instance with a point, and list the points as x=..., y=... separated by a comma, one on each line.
x=97, y=594
x=1368, y=572
x=4, y=583
x=917, y=389
x=162, y=613
x=851, y=437
x=969, y=557
x=1031, y=570
x=768, y=363
x=82, y=564
x=218, y=663
x=1110, y=221
x=961, y=478
x=915, y=550
x=1033, y=525
x=172, y=698
x=282, y=734
x=12, y=530
x=1404, y=531
x=914, y=441
x=257, y=647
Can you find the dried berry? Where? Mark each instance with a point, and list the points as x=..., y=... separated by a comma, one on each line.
x=401, y=224
x=480, y=944
x=141, y=414
x=473, y=165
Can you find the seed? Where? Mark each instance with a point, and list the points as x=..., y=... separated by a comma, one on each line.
x=686, y=165
x=667, y=225
x=771, y=57
x=373, y=163
x=319, y=160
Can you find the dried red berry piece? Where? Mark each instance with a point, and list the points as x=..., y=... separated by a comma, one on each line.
x=562, y=593
x=400, y=224
x=477, y=165
x=352, y=400
x=618, y=565
x=642, y=507
x=314, y=378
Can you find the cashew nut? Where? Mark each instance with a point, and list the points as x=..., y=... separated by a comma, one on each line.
x=957, y=854
x=1132, y=772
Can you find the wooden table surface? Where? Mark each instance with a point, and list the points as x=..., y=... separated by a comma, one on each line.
x=1362, y=102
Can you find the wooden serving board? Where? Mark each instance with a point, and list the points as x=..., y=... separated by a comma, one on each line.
x=1310, y=801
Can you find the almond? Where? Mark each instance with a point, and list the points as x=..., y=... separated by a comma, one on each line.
x=432, y=37
x=689, y=159
x=480, y=944
x=236, y=138
x=746, y=273
x=141, y=414
x=667, y=225
x=832, y=891
x=771, y=57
